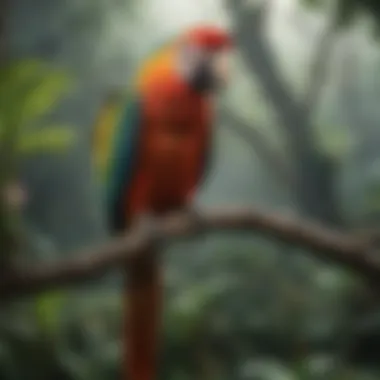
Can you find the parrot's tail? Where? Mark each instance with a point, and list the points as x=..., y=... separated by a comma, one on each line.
x=143, y=307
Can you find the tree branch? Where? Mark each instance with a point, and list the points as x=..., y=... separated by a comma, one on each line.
x=326, y=244
x=313, y=184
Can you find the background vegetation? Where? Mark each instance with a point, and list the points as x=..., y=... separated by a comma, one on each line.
x=298, y=132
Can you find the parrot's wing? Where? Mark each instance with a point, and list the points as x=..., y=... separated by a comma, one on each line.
x=115, y=148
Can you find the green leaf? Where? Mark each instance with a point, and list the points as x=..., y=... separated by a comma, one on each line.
x=29, y=90
x=44, y=96
x=51, y=140
x=48, y=309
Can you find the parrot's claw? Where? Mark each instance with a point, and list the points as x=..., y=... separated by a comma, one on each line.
x=195, y=215
x=147, y=223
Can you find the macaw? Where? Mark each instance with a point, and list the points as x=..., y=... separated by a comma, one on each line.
x=153, y=152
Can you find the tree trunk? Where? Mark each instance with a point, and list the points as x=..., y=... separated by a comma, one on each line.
x=315, y=174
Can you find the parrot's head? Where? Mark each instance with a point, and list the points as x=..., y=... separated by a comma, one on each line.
x=203, y=57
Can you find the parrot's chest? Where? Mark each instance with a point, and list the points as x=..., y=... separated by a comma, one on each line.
x=175, y=146
x=174, y=135
x=172, y=146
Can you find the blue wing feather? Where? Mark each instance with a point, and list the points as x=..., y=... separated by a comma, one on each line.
x=122, y=162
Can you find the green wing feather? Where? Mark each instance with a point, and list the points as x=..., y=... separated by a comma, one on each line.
x=115, y=148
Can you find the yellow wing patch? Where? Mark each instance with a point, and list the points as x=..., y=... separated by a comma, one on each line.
x=104, y=131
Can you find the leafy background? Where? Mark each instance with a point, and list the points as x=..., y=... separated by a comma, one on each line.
x=305, y=92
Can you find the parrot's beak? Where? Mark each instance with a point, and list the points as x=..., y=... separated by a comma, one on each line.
x=204, y=70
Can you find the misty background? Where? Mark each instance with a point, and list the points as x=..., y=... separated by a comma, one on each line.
x=297, y=132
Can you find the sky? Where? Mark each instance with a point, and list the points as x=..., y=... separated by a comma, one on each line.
x=173, y=15
x=289, y=27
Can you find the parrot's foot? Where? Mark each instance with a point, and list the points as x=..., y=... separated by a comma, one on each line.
x=195, y=215
x=147, y=223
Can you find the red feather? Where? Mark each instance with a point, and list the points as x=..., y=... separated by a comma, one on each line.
x=175, y=134
x=209, y=37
